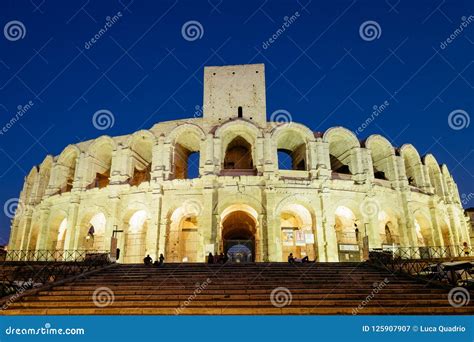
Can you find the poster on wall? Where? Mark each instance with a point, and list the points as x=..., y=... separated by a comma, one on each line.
x=309, y=238
x=300, y=238
x=288, y=238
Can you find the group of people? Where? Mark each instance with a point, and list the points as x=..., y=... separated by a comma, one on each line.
x=293, y=260
x=217, y=259
x=148, y=261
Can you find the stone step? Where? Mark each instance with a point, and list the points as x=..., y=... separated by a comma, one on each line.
x=320, y=310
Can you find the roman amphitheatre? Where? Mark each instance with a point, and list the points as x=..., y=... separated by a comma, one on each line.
x=237, y=181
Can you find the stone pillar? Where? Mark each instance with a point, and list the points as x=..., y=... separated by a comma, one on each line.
x=43, y=236
x=72, y=222
x=272, y=225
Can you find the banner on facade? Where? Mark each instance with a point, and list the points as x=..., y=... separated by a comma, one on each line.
x=300, y=238
x=288, y=237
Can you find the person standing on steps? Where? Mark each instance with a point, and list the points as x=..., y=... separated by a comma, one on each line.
x=210, y=258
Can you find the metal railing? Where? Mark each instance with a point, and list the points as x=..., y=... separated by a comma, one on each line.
x=428, y=252
x=444, y=265
x=24, y=270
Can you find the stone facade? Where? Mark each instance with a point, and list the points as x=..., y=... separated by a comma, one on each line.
x=335, y=190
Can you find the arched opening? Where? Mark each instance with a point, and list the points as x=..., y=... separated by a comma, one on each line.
x=94, y=232
x=57, y=231
x=291, y=149
x=66, y=168
x=388, y=228
x=382, y=158
x=100, y=164
x=296, y=232
x=347, y=234
x=183, y=241
x=423, y=230
x=434, y=174
x=238, y=236
x=412, y=163
x=238, y=155
x=342, y=145
x=188, y=239
x=186, y=156
x=141, y=158
x=61, y=237
x=44, y=176
x=135, y=238
x=33, y=239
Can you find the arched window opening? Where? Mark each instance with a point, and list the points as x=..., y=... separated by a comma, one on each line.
x=379, y=174
x=95, y=232
x=238, y=155
x=186, y=163
x=141, y=156
x=292, y=160
x=347, y=233
x=101, y=162
x=134, y=249
x=338, y=166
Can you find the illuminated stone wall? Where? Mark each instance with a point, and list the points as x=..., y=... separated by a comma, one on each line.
x=134, y=184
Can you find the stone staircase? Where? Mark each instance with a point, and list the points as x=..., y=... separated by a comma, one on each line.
x=234, y=289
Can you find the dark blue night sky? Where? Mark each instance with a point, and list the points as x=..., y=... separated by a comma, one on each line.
x=320, y=70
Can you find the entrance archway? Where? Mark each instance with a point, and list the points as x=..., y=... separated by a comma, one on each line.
x=238, y=236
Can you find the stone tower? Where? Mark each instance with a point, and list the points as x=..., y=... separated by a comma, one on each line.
x=235, y=91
